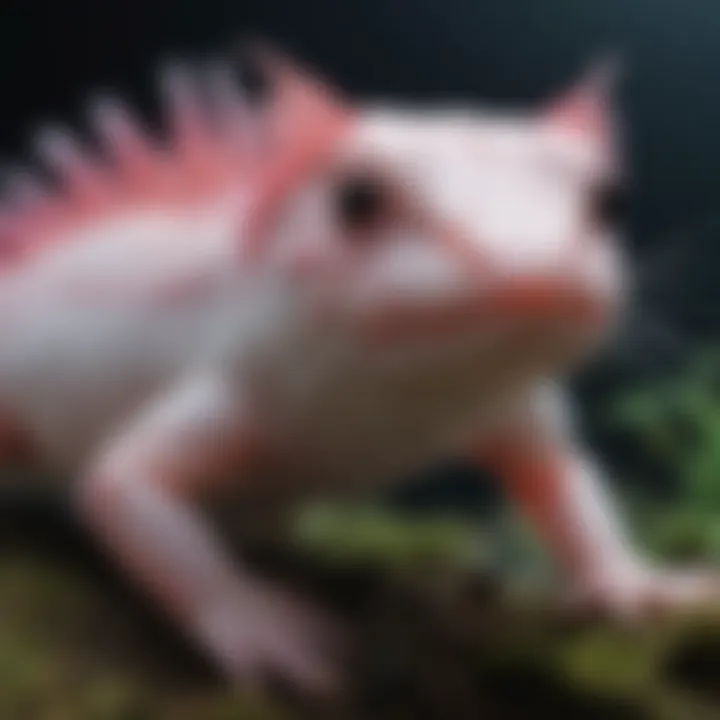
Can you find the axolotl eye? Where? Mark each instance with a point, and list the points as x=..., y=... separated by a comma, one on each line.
x=610, y=204
x=361, y=202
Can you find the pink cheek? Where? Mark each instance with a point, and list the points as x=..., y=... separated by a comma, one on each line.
x=309, y=264
x=326, y=270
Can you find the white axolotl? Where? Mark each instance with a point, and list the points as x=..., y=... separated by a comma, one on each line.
x=311, y=300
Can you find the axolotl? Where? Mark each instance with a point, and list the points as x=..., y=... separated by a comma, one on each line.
x=313, y=298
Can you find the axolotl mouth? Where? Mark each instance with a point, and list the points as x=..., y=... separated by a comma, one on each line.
x=577, y=302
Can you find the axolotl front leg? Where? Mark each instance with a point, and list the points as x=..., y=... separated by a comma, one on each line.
x=559, y=487
x=139, y=496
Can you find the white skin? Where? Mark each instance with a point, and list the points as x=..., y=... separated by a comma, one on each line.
x=343, y=360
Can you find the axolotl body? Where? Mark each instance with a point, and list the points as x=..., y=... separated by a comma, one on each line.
x=309, y=300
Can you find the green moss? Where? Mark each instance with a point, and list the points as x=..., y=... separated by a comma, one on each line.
x=371, y=534
x=71, y=648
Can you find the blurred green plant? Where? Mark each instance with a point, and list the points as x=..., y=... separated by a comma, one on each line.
x=676, y=421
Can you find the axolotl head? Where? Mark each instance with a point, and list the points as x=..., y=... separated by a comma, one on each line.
x=435, y=229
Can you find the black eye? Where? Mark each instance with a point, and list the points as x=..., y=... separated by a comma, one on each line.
x=252, y=77
x=611, y=205
x=361, y=201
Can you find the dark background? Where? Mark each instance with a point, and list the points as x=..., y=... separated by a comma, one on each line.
x=515, y=52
